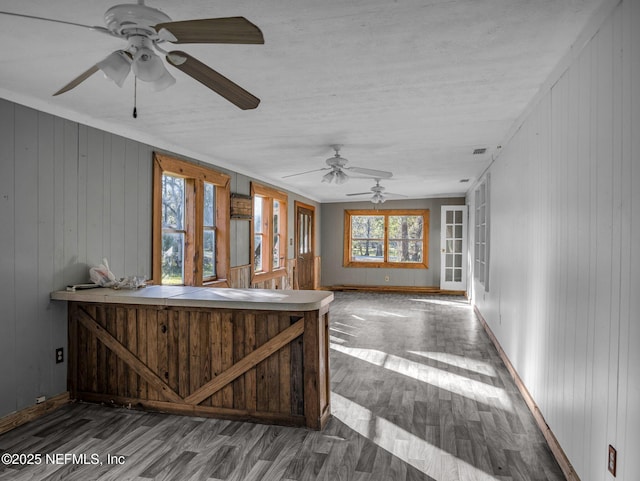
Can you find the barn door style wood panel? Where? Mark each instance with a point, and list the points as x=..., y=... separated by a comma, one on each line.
x=268, y=366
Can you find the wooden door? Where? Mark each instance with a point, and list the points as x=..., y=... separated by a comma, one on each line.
x=305, y=221
x=453, y=247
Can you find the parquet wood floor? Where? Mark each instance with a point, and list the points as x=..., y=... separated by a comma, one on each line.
x=418, y=393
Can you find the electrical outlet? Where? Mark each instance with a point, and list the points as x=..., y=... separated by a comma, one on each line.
x=41, y=399
x=386, y=278
x=59, y=355
x=613, y=460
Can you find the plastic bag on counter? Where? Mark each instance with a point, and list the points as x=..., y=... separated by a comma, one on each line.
x=102, y=275
x=131, y=282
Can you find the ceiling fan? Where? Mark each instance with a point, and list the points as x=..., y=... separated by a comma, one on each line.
x=145, y=29
x=379, y=194
x=338, y=170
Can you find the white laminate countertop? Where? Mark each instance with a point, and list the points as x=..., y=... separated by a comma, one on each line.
x=186, y=296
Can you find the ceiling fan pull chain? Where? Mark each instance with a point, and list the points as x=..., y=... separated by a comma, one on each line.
x=135, y=97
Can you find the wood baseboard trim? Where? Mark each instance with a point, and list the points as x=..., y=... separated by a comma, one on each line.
x=12, y=421
x=410, y=289
x=557, y=451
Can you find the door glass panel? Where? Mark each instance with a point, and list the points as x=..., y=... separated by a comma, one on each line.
x=453, y=239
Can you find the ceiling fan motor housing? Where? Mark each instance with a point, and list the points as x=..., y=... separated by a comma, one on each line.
x=336, y=161
x=131, y=19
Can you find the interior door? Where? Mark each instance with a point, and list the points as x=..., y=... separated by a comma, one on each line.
x=453, y=248
x=305, y=221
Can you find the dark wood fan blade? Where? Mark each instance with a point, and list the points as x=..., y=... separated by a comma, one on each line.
x=213, y=30
x=78, y=80
x=213, y=80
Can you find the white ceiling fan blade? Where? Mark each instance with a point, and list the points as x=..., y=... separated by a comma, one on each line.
x=307, y=172
x=361, y=193
x=391, y=195
x=378, y=174
x=90, y=27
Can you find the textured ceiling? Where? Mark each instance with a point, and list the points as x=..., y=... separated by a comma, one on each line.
x=412, y=87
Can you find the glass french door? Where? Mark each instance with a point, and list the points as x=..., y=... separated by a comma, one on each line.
x=453, y=248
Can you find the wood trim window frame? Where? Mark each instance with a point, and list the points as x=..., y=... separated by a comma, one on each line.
x=348, y=262
x=195, y=176
x=269, y=194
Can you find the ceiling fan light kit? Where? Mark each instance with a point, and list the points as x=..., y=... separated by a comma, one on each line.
x=144, y=28
x=116, y=66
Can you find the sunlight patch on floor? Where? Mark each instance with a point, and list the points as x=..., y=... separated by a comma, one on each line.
x=436, y=377
x=425, y=457
x=480, y=367
x=342, y=332
x=393, y=314
x=441, y=302
x=336, y=339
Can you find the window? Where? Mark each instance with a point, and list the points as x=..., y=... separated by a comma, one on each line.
x=389, y=238
x=481, y=234
x=269, y=244
x=190, y=223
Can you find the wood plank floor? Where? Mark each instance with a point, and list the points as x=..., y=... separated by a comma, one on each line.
x=418, y=393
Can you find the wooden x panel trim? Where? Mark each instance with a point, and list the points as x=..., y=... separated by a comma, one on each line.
x=132, y=361
x=239, y=368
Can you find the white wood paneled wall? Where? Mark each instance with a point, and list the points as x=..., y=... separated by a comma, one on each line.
x=69, y=196
x=564, y=297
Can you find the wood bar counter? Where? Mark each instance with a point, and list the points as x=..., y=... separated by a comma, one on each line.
x=245, y=354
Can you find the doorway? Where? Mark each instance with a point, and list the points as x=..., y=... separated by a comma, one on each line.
x=453, y=248
x=304, y=245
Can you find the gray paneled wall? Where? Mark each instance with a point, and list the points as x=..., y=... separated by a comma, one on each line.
x=565, y=265
x=69, y=196
x=332, y=232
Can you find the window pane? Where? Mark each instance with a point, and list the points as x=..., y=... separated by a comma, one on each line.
x=209, y=254
x=275, y=260
x=405, y=251
x=257, y=254
x=173, y=258
x=257, y=214
x=209, y=204
x=405, y=227
x=367, y=227
x=276, y=251
x=172, y=202
x=367, y=250
x=276, y=216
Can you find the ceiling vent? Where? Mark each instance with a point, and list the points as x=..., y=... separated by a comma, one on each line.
x=479, y=151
